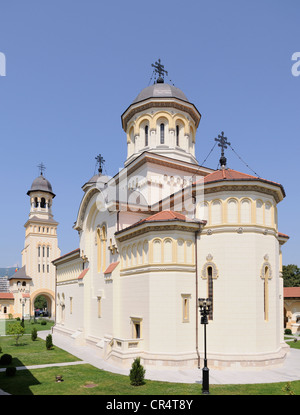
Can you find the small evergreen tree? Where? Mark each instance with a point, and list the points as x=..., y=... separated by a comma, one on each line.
x=33, y=334
x=137, y=373
x=49, y=343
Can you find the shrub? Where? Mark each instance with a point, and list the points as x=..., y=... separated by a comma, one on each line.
x=16, y=330
x=287, y=331
x=10, y=371
x=49, y=343
x=137, y=373
x=43, y=322
x=33, y=334
x=5, y=359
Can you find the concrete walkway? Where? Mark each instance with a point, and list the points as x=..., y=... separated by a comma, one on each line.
x=289, y=371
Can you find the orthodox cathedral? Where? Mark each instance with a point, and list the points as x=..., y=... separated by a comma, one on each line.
x=161, y=233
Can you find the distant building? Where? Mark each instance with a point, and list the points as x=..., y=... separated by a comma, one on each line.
x=37, y=274
x=292, y=308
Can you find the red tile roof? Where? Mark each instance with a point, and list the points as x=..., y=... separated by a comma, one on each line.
x=164, y=215
x=283, y=235
x=230, y=174
x=7, y=295
x=291, y=292
x=111, y=267
x=26, y=295
x=83, y=273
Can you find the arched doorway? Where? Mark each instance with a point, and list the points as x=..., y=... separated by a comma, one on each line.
x=42, y=305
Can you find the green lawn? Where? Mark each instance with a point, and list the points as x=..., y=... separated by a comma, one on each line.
x=30, y=352
x=30, y=324
x=88, y=380
x=85, y=379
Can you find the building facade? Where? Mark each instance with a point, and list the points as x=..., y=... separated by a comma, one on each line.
x=37, y=274
x=163, y=232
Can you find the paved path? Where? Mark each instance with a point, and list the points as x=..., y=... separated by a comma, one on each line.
x=289, y=371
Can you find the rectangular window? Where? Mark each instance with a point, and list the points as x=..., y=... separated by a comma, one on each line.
x=136, y=327
x=99, y=306
x=39, y=267
x=186, y=307
x=48, y=268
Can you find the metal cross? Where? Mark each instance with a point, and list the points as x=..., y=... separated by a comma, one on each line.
x=100, y=161
x=41, y=168
x=159, y=69
x=223, y=144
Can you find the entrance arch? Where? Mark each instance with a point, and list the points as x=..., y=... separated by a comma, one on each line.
x=49, y=298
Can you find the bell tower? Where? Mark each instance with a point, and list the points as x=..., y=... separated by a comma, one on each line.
x=41, y=245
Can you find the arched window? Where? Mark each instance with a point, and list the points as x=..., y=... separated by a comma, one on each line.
x=180, y=251
x=177, y=135
x=146, y=136
x=98, y=250
x=216, y=212
x=43, y=203
x=36, y=203
x=189, y=252
x=103, y=247
x=232, y=211
x=268, y=214
x=157, y=251
x=140, y=253
x=145, y=249
x=259, y=212
x=39, y=251
x=266, y=293
x=4, y=309
x=162, y=133
x=210, y=289
x=168, y=250
x=23, y=284
x=245, y=211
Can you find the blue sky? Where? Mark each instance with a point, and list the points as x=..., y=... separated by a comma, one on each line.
x=74, y=66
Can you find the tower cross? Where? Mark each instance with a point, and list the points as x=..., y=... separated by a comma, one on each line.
x=159, y=69
x=223, y=144
x=41, y=168
x=100, y=161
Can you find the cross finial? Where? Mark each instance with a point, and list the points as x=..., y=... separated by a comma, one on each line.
x=159, y=69
x=100, y=161
x=41, y=168
x=223, y=144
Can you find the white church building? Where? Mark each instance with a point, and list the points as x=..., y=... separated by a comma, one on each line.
x=163, y=232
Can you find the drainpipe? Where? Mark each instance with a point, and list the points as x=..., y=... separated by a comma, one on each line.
x=196, y=299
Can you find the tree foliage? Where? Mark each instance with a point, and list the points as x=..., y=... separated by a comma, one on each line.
x=291, y=275
x=16, y=330
x=137, y=373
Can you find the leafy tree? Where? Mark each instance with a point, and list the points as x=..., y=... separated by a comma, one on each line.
x=16, y=330
x=137, y=373
x=40, y=302
x=291, y=275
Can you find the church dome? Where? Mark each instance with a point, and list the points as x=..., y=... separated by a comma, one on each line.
x=160, y=90
x=41, y=184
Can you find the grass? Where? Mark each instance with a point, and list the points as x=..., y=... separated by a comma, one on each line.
x=30, y=324
x=30, y=352
x=85, y=379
